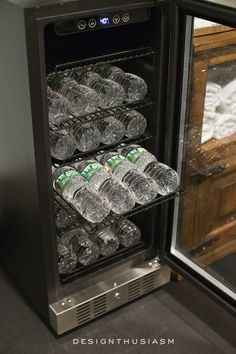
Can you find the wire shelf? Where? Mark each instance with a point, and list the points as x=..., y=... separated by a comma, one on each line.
x=101, y=149
x=102, y=261
x=67, y=68
x=102, y=113
x=112, y=217
x=122, y=252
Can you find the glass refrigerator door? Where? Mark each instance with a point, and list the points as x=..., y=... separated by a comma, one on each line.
x=203, y=241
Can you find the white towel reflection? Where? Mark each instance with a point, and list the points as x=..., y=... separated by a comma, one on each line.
x=225, y=125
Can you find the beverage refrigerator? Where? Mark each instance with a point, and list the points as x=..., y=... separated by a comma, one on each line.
x=160, y=42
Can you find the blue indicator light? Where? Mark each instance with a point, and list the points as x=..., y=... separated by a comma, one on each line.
x=104, y=21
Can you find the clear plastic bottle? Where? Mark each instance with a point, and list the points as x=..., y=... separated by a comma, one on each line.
x=67, y=259
x=57, y=104
x=57, y=120
x=134, y=86
x=62, y=145
x=87, y=136
x=70, y=185
x=142, y=187
x=63, y=219
x=127, y=232
x=111, y=129
x=106, y=241
x=134, y=122
x=83, y=99
x=166, y=179
x=86, y=251
x=110, y=93
x=120, y=199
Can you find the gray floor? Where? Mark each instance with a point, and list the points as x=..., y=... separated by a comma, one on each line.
x=177, y=311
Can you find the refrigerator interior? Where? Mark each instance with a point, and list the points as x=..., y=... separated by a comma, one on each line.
x=135, y=48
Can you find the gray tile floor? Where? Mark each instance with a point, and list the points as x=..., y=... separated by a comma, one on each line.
x=177, y=311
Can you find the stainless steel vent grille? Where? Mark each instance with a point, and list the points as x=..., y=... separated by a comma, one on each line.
x=148, y=282
x=134, y=289
x=91, y=309
x=83, y=313
x=115, y=291
x=99, y=305
x=141, y=286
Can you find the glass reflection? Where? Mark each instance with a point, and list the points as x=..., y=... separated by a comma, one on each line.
x=206, y=215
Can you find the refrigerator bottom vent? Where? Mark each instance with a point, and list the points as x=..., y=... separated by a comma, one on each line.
x=91, y=309
x=115, y=291
x=83, y=313
x=141, y=286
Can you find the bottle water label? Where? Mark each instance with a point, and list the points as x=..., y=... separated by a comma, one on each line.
x=113, y=162
x=90, y=170
x=54, y=81
x=134, y=153
x=64, y=178
x=79, y=73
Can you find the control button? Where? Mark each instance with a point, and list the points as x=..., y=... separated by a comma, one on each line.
x=92, y=23
x=82, y=25
x=126, y=17
x=116, y=19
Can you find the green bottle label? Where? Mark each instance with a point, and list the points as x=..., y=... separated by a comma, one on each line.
x=113, y=162
x=90, y=170
x=64, y=178
x=79, y=73
x=54, y=80
x=133, y=154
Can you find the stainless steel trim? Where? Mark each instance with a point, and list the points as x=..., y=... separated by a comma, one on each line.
x=188, y=42
x=100, y=298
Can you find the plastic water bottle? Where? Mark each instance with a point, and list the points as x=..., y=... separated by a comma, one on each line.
x=87, y=136
x=119, y=197
x=62, y=145
x=86, y=251
x=142, y=187
x=111, y=129
x=70, y=185
x=67, y=259
x=166, y=179
x=134, y=86
x=106, y=241
x=57, y=104
x=127, y=232
x=110, y=93
x=57, y=120
x=134, y=122
x=83, y=99
x=63, y=219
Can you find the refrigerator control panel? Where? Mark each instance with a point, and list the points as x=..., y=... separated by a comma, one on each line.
x=104, y=20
